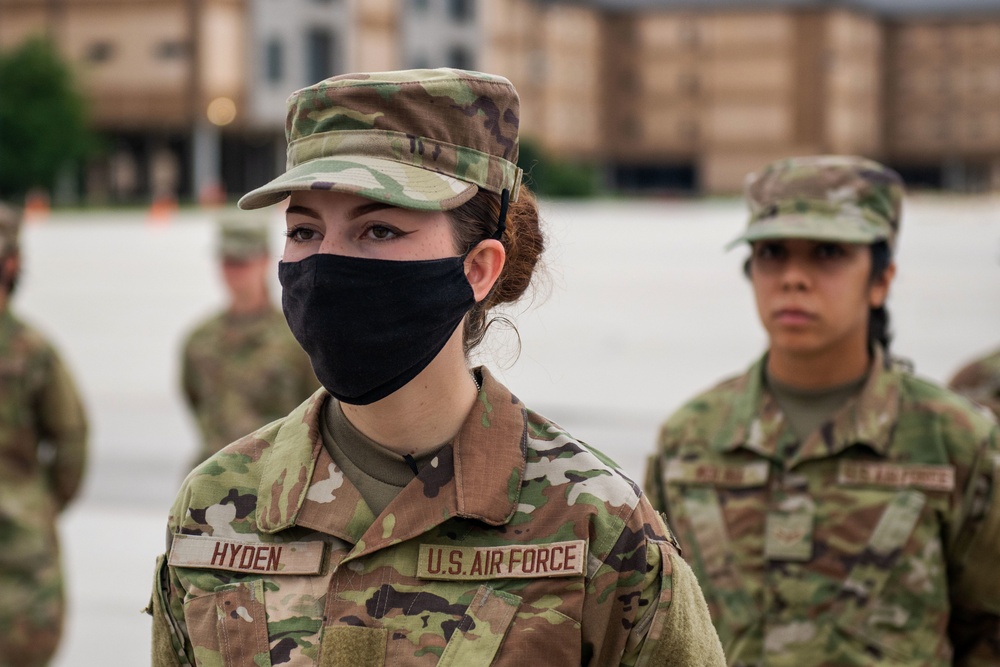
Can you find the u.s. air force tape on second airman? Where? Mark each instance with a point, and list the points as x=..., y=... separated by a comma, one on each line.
x=897, y=475
x=269, y=557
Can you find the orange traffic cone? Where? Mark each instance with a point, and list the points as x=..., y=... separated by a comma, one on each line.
x=162, y=210
x=36, y=206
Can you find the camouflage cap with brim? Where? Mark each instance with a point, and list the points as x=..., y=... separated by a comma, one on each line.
x=839, y=198
x=420, y=139
x=242, y=237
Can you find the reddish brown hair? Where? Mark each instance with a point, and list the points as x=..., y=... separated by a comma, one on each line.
x=523, y=242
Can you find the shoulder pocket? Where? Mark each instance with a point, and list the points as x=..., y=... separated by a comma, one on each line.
x=231, y=623
x=168, y=640
x=865, y=618
x=680, y=629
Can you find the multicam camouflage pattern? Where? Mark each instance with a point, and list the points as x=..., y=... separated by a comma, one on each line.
x=509, y=481
x=43, y=434
x=980, y=381
x=824, y=197
x=242, y=238
x=240, y=372
x=874, y=541
x=421, y=139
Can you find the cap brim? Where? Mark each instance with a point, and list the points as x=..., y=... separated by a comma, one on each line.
x=386, y=181
x=814, y=227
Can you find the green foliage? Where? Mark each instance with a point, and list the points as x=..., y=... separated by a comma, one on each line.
x=550, y=177
x=43, y=120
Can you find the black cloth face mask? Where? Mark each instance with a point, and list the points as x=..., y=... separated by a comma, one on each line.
x=370, y=326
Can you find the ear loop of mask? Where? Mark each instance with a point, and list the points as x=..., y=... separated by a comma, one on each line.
x=502, y=222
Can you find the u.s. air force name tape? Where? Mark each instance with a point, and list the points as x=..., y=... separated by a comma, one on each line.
x=897, y=475
x=521, y=561
x=263, y=557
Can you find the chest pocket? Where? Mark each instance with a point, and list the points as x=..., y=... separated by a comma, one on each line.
x=475, y=641
x=695, y=485
x=901, y=569
x=251, y=604
x=231, y=622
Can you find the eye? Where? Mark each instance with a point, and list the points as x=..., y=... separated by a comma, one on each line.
x=379, y=231
x=828, y=251
x=769, y=251
x=301, y=234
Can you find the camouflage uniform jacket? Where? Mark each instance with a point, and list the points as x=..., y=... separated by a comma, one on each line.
x=516, y=543
x=980, y=381
x=241, y=372
x=43, y=436
x=874, y=541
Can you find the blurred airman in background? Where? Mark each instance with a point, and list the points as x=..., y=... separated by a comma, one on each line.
x=242, y=368
x=43, y=446
x=838, y=510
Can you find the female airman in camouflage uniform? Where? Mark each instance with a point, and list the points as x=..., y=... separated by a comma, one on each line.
x=43, y=450
x=241, y=368
x=413, y=511
x=837, y=509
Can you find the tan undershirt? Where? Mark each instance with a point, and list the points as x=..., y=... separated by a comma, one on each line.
x=808, y=409
x=378, y=473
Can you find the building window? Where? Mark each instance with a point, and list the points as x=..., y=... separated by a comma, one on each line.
x=319, y=55
x=460, y=10
x=688, y=33
x=171, y=49
x=459, y=58
x=274, y=61
x=99, y=52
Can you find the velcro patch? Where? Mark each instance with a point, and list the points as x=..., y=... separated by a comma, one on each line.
x=897, y=475
x=522, y=561
x=733, y=475
x=263, y=557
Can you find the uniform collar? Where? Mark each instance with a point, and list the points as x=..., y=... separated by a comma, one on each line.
x=478, y=476
x=757, y=423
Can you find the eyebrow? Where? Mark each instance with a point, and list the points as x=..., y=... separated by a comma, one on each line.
x=355, y=212
x=370, y=207
x=302, y=210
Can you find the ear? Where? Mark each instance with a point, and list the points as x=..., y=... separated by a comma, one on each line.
x=878, y=291
x=483, y=265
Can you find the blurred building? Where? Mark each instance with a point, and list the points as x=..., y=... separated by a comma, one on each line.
x=716, y=88
x=189, y=94
x=665, y=95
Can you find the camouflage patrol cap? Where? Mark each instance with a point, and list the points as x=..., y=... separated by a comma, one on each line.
x=242, y=237
x=824, y=197
x=10, y=228
x=421, y=139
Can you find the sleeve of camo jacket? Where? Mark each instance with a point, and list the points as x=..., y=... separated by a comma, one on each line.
x=188, y=383
x=654, y=483
x=62, y=425
x=975, y=621
x=169, y=643
x=676, y=628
